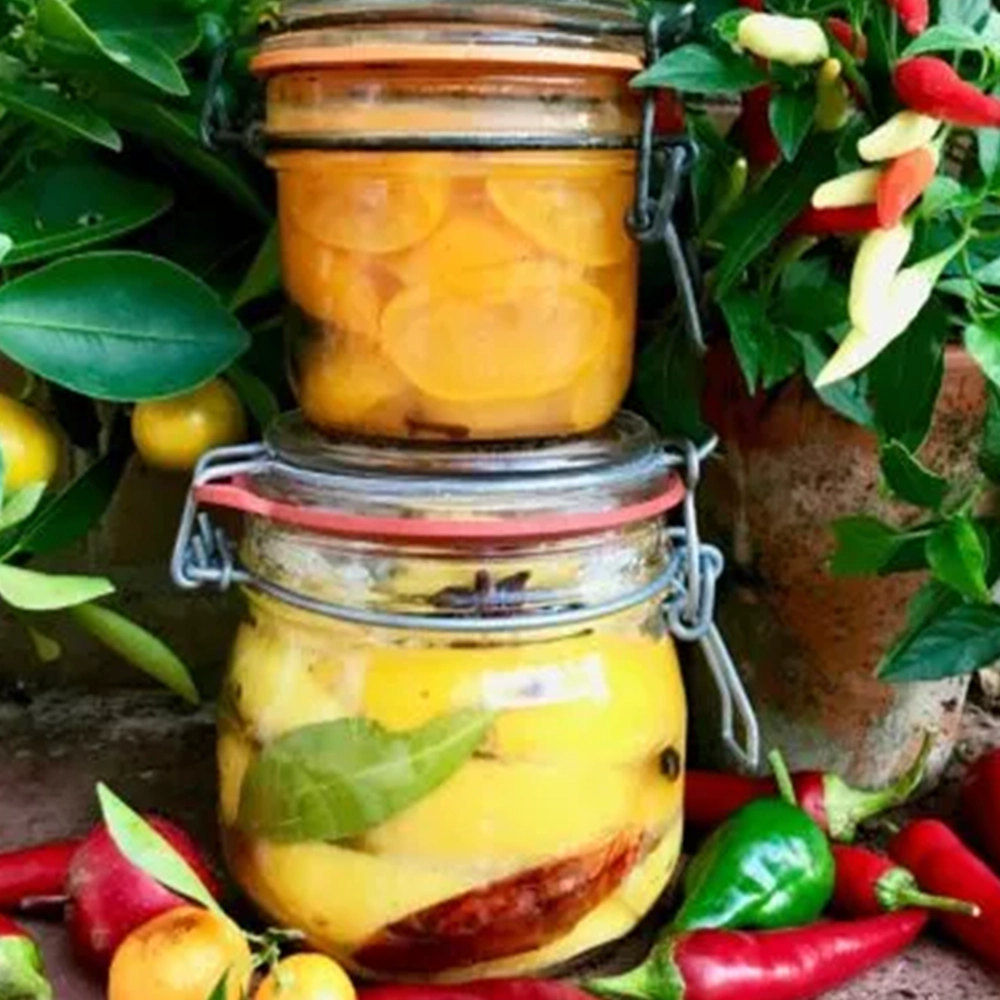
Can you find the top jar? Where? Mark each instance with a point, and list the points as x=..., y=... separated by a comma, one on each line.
x=454, y=182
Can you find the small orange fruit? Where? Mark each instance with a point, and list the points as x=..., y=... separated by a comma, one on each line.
x=181, y=955
x=306, y=977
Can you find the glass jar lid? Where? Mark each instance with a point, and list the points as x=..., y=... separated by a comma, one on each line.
x=602, y=34
x=361, y=488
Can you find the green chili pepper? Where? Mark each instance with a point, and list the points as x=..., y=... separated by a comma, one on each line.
x=769, y=866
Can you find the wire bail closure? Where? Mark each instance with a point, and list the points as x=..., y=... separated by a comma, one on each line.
x=205, y=556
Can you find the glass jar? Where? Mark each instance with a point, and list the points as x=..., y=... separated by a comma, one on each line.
x=452, y=734
x=454, y=181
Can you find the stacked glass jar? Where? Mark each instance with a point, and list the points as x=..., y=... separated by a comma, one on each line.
x=452, y=736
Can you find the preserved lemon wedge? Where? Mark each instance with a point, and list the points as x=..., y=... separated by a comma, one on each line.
x=523, y=330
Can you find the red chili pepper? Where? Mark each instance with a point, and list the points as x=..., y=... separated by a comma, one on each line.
x=35, y=873
x=835, y=806
x=913, y=15
x=670, y=118
x=754, y=128
x=831, y=221
x=22, y=976
x=902, y=183
x=754, y=5
x=852, y=40
x=979, y=805
x=869, y=884
x=943, y=864
x=930, y=85
x=776, y=965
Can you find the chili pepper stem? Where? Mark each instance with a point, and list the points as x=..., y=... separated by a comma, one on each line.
x=783, y=777
x=848, y=807
x=657, y=978
x=898, y=889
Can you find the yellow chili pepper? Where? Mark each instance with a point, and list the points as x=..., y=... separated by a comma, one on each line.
x=888, y=316
x=879, y=258
x=902, y=133
x=860, y=187
x=794, y=41
x=833, y=101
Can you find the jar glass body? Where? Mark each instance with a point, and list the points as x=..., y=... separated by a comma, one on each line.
x=453, y=229
x=554, y=834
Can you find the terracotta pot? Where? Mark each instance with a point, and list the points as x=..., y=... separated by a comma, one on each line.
x=806, y=642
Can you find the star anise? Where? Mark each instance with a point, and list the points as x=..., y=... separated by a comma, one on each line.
x=486, y=598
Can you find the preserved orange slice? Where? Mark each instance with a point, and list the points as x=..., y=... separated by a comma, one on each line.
x=328, y=284
x=343, y=386
x=498, y=419
x=514, y=332
x=375, y=205
x=464, y=245
x=582, y=219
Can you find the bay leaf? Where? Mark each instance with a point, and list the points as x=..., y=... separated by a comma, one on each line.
x=339, y=779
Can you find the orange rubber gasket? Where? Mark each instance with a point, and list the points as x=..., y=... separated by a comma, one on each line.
x=316, y=57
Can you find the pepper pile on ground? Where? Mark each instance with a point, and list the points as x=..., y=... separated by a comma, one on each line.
x=142, y=906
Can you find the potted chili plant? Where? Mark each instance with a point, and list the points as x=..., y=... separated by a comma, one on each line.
x=847, y=227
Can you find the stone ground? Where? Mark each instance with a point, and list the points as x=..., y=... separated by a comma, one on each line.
x=54, y=749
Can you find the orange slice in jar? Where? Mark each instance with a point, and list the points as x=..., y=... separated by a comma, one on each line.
x=578, y=218
x=343, y=385
x=376, y=203
x=514, y=332
x=464, y=245
x=337, y=287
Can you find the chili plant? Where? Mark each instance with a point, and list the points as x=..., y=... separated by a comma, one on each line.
x=848, y=226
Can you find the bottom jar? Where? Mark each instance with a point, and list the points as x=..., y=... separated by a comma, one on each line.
x=452, y=733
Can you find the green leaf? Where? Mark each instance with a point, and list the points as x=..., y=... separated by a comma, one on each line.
x=986, y=275
x=150, y=852
x=21, y=505
x=48, y=108
x=6, y=245
x=178, y=134
x=27, y=590
x=742, y=311
x=220, y=992
x=668, y=384
x=848, y=396
x=255, y=394
x=66, y=207
x=61, y=26
x=338, y=779
x=970, y=13
x=945, y=38
x=982, y=341
x=812, y=306
x=264, y=276
x=138, y=647
x=780, y=355
x=761, y=218
x=867, y=546
x=169, y=25
x=910, y=480
x=791, y=113
x=118, y=326
x=957, y=558
x=702, y=70
x=22, y=976
x=727, y=25
x=943, y=193
x=988, y=145
x=989, y=448
x=74, y=512
x=906, y=377
x=958, y=641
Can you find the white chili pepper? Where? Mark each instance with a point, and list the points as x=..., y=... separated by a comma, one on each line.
x=794, y=41
x=902, y=133
x=860, y=187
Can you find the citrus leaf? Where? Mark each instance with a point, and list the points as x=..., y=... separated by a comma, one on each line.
x=256, y=395
x=338, y=779
x=151, y=852
x=27, y=590
x=118, y=326
x=49, y=108
x=137, y=646
x=166, y=23
x=63, y=208
x=21, y=505
x=264, y=274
